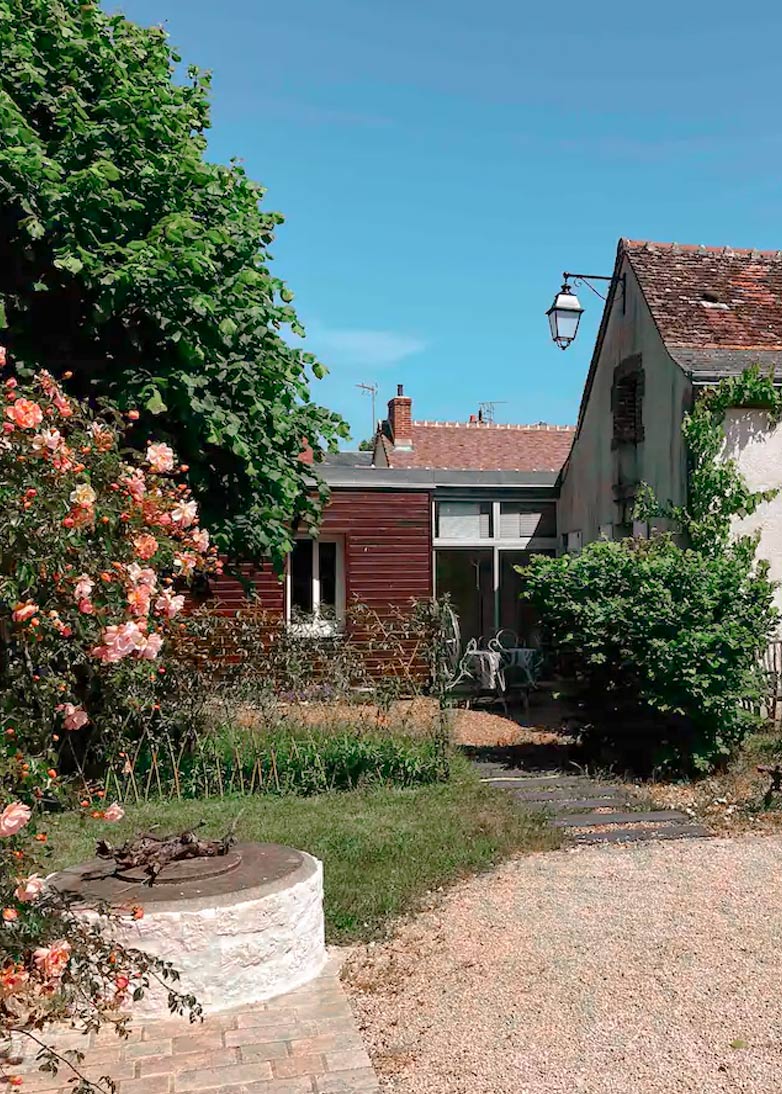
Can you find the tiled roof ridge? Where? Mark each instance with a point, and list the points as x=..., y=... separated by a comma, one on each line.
x=540, y=427
x=700, y=248
x=726, y=347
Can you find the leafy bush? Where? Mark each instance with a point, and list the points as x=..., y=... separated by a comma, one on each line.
x=92, y=545
x=665, y=642
x=131, y=259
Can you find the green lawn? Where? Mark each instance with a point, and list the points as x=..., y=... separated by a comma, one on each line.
x=382, y=849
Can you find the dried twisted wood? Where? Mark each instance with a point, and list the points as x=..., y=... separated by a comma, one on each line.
x=151, y=853
x=775, y=774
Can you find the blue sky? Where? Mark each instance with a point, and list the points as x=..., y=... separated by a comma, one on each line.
x=440, y=163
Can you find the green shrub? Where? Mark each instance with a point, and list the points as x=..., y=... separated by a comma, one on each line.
x=664, y=641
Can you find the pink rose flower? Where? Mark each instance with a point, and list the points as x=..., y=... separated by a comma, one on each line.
x=145, y=546
x=185, y=513
x=138, y=600
x=62, y=460
x=186, y=563
x=169, y=605
x=135, y=484
x=142, y=575
x=51, y=960
x=83, y=588
x=63, y=405
x=49, y=440
x=23, y=612
x=200, y=539
x=103, y=439
x=73, y=717
x=160, y=457
x=114, y=813
x=151, y=647
x=13, y=818
x=30, y=888
x=120, y=641
x=25, y=413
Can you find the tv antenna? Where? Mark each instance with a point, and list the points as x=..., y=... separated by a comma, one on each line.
x=371, y=390
x=486, y=410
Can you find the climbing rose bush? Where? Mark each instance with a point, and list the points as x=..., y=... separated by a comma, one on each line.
x=56, y=966
x=96, y=546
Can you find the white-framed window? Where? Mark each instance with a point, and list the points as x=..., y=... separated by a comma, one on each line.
x=315, y=586
x=463, y=520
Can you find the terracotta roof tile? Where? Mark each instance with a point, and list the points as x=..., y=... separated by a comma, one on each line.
x=713, y=298
x=484, y=446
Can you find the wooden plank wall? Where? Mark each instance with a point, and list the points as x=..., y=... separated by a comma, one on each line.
x=388, y=554
x=388, y=565
x=388, y=545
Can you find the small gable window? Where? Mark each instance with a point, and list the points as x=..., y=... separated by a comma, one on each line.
x=627, y=402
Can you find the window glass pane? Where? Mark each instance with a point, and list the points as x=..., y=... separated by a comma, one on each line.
x=468, y=520
x=517, y=614
x=466, y=576
x=520, y=520
x=328, y=579
x=301, y=577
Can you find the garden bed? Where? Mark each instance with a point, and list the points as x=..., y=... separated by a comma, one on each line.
x=731, y=801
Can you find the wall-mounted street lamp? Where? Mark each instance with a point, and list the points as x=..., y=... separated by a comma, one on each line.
x=565, y=313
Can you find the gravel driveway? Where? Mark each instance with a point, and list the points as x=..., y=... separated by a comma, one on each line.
x=645, y=969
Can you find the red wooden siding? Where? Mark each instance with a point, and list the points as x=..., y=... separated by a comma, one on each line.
x=388, y=545
x=229, y=594
x=388, y=564
x=388, y=554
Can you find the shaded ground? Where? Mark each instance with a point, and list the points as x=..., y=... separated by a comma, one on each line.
x=650, y=968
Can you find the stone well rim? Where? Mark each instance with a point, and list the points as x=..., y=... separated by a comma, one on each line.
x=286, y=867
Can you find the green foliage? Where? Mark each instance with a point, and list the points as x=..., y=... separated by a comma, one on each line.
x=383, y=849
x=91, y=543
x=665, y=642
x=717, y=490
x=132, y=260
x=292, y=759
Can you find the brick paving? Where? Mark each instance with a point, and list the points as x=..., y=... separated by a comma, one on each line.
x=305, y=1042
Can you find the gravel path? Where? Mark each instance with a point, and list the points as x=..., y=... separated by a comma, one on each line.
x=651, y=969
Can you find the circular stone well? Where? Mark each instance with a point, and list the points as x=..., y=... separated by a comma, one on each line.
x=239, y=928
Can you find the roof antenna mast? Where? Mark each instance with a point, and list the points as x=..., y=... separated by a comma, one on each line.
x=371, y=390
x=486, y=410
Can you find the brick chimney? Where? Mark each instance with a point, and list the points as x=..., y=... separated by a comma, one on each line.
x=306, y=455
x=400, y=418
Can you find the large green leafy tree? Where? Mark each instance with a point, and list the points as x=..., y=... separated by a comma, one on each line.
x=128, y=258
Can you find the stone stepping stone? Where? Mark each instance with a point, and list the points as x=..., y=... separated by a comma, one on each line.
x=563, y=808
x=588, y=820
x=510, y=781
x=636, y=835
x=607, y=795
